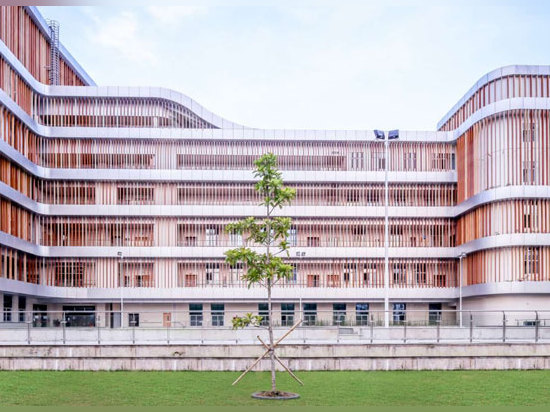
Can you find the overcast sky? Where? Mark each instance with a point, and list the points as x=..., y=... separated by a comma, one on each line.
x=310, y=64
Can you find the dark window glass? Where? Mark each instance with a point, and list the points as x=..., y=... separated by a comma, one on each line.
x=218, y=312
x=362, y=313
x=338, y=313
x=399, y=312
x=287, y=314
x=195, y=314
x=310, y=314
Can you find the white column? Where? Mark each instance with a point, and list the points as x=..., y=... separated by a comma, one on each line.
x=386, y=238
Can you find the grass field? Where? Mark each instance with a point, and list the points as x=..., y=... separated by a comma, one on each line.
x=434, y=388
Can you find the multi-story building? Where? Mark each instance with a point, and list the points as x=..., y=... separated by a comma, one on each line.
x=110, y=191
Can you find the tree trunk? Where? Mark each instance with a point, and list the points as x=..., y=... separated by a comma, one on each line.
x=271, y=341
x=269, y=308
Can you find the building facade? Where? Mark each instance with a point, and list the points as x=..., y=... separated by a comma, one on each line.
x=110, y=193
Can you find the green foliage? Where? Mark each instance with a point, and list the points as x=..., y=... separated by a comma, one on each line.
x=267, y=268
x=271, y=232
x=260, y=268
x=247, y=320
x=271, y=182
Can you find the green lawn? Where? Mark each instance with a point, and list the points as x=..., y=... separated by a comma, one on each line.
x=435, y=388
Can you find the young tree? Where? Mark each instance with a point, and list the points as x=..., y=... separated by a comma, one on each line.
x=268, y=268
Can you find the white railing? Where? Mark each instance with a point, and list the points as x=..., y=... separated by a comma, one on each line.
x=214, y=327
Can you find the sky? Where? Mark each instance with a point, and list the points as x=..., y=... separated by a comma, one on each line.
x=343, y=64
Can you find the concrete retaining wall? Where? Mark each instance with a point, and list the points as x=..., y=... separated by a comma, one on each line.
x=298, y=357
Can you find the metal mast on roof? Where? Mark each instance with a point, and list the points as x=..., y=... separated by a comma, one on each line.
x=54, y=51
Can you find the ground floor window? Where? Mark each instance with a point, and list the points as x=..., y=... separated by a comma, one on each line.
x=79, y=316
x=39, y=315
x=263, y=311
x=287, y=314
x=22, y=306
x=218, y=312
x=133, y=319
x=310, y=314
x=399, y=311
x=8, y=301
x=362, y=313
x=434, y=313
x=195, y=314
x=338, y=313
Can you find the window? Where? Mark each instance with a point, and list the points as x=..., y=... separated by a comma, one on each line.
x=333, y=194
x=443, y=161
x=235, y=239
x=313, y=241
x=369, y=274
x=530, y=216
x=396, y=235
x=69, y=274
x=79, y=316
x=294, y=277
x=190, y=241
x=398, y=274
x=211, y=234
x=133, y=319
x=292, y=238
x=362, y=313
x=399, y=312
x=212, y=273
x=287, y=314
x=310, y=314
x=531, y=261
x=529, y=172
x=409, y=161
x=235, y=272
x=312, y=281
x=420, y=273
x=378, y=161
x=333, y=281
x=348, y=271
x=357, y=161
x=263, y=311
x=39, y=315
x=358, y=233
x=195, y=314
x=138, y=274
x=352, y=197
x=218, y=311
x=8, y=301
x=440, y=280
x=338, y=313
x=529, y=132
x=22, y=306
x=399, y=197
x=434, y=313
x=182, y=196
x=373, y=197
x=135, y=195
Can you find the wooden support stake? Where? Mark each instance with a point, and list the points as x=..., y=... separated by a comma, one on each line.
x=266, y=352
x=287, y=333
x=282, y=364
x=250, y=367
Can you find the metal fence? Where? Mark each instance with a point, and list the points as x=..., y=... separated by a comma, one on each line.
x=214, y=326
